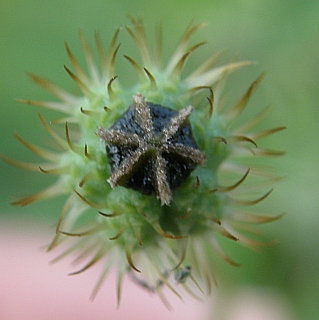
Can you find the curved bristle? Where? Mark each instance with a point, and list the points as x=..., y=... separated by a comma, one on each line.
x=19, y=164
x=50, y=192
x=254, y=121
x=183, y=255
x=108, y=60
x=58, y=106
x=242, y=139
x=93, y=205
x=83, y=233
x=118, y=235
x=138, y=235
x=140, y=39
x=252, y=202
x=158, y=229
x=43, y=153
x=79, y=82
x=109, y=215
x=54, y=89
x=240, y=105
x=255, y=218
x=89, y=59
x=72, y=146
x=185, y=216
x=78, y=69
x=101, y=280
x=53, y=134
x=211, y=76
x=130, y=261
x=207, y=64
x=213, y=241
x=234, y=186
x=88, y=177
x=137, y=68
x=119, y=286
x=109, y=87
x=265, y=133
x=112, y=61
x=267, y=153
x=95, y=259
x=56, y=171
x=176, y=71
x=151, y=78
x=67, y=205
x=182, y=46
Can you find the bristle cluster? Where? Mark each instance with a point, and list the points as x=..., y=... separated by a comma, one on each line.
x=157, y=245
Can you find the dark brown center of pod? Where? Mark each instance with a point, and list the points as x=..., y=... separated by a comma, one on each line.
x=151, y=149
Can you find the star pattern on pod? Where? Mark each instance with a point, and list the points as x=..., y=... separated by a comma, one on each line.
x=151, y=149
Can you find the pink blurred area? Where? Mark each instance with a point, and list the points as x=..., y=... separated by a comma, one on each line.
x=31, y=288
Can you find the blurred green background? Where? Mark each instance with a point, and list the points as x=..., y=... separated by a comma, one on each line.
x=281, y=36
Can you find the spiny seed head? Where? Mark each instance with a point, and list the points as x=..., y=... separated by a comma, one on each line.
x=149, y=165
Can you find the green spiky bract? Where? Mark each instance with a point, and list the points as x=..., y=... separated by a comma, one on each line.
x=157, y=245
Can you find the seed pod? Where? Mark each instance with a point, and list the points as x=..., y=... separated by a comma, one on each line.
x=152, y=173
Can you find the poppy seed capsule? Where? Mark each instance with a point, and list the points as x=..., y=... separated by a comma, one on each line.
x=151, y=149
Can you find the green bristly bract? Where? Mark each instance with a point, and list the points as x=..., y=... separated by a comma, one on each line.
x=160, y=237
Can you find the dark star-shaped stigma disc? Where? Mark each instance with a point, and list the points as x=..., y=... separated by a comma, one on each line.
x=151, y=149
